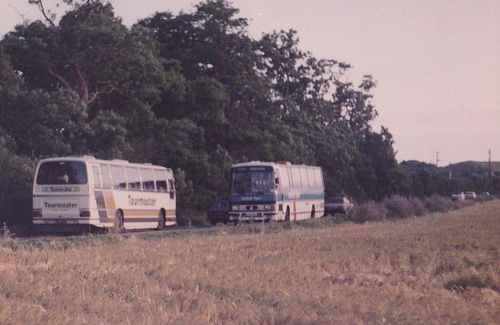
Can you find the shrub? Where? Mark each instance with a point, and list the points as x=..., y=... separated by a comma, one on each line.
x=399, y=207
x=16, y=183
x=482, y=198
x=370, y=211
x=418, y=206
x=436, y=203
x=5, y=232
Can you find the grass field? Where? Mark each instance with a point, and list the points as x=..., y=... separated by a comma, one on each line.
x=435, y=269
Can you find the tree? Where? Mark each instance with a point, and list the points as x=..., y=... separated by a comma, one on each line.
x=10, y=84
x=90, y=52
x=108, y=136
x=47, y=124
x=353, y=107
x=377, y=169
x=300, y=82
x=16, y=183
x=207, y=102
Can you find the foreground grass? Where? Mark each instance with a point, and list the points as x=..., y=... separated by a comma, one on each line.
x=436, y=269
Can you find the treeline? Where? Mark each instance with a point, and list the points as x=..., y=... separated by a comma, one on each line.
x=190, y=91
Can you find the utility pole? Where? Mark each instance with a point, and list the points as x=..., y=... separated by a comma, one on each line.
x=437, y=158
x=489, y=170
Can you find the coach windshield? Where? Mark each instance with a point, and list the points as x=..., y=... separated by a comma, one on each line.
x=252, y=180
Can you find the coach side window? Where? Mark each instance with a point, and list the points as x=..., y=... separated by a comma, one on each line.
x=97, y=177
x=318, y=176
x=105, y=175
x=147, y=177
x=161, y=180
x=310, y=176
x=303, y=177
x=296, y=182
x=134, y=182
x=118, y=174
x=171, y=188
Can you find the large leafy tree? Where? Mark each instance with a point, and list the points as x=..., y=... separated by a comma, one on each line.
x=10, y=83
x=73, y=55
x=377, y=170
x=91, y=53
x=212, y=43
x=47, y=124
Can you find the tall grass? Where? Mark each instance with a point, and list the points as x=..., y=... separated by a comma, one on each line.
x=442, y=268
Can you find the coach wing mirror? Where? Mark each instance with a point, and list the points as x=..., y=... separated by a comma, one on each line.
x=276, y=181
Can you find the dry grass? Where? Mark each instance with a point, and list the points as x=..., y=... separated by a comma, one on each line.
x=436, y=269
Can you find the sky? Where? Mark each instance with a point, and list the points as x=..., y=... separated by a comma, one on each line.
x=436, y=62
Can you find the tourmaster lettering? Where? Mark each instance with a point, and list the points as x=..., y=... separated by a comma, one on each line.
x=48, y=205
x=141, y=202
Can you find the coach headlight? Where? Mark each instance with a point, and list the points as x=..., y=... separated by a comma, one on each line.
x=269, y=207
x=236, y=208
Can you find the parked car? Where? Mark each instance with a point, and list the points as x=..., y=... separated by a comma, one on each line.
x=337, y=205
x=470, y=195
x=459, y=196
x=218, y=212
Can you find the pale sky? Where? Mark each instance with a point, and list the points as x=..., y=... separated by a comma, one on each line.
x=437, y=62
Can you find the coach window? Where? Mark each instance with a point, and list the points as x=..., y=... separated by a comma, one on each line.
x=134, y=182
x=97, y=177
x=147, y=177
x=118, y=175
x=310, y=175
x=105, y=175
x=161, y=180
x=303, y=176
x=319, y=177
x=296, y=177
x=285, y=177
x=171, y=188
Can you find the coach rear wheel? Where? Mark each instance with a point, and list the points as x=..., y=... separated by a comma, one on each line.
x=161, y=220
x=119, y=222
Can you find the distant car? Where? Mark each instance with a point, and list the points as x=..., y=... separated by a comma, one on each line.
x=459, y=196
x=218, y=212
x=337, y=205
x=484, y=194
x=470, y=195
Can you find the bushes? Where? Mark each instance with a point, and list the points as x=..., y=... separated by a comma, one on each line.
x=436, y=203
x=16, y=182
x=370, y=211
x=398, y=207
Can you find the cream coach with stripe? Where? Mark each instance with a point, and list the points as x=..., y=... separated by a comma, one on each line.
x=78, y=193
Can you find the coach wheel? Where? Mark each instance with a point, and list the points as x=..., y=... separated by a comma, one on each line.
x=119, y=222
x=287, y=214
x=313, y=212
x=161, y=220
